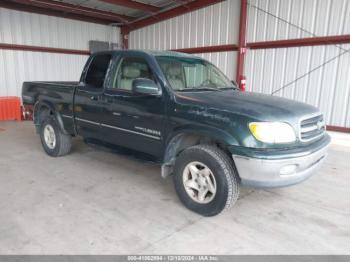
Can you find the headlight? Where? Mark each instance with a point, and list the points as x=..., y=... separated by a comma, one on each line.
x=272, y=132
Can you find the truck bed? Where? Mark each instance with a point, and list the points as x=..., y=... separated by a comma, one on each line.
x=53, y=91
x=58, y=96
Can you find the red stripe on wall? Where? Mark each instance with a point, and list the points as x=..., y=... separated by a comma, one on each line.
x=310, y=41
x=339, y=129
x=208, y=49
x=43, y=49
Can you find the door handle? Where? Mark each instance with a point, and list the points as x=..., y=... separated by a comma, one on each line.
x=95, y=98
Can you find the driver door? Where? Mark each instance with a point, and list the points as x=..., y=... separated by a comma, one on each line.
x=129, y=119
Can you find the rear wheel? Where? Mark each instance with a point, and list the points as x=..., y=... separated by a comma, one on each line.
x=205, y=180
x=53, y=140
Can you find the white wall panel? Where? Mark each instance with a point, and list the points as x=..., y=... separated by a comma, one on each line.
x=40, y=30
x=19, y=66
x=24, y=28
x=287, y=19
x=214, y=25
x=324, y=86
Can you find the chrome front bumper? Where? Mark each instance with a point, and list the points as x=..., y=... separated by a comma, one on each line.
x=278, y=173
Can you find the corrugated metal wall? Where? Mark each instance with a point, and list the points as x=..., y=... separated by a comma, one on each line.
x=19, y=66
x=208, y=26
x=287, y=19
x=213, y=25
x=301, y=69
x=318, y=75
x=40, y=30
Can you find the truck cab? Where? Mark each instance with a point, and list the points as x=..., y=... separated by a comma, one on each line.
x=106, y=106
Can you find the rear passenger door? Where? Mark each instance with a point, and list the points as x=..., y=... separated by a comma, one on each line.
x=88, y=101
x=128, y=119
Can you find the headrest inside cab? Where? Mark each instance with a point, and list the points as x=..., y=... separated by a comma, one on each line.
x=174, y=71
x=131, y=72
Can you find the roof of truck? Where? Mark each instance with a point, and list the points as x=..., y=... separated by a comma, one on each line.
x=167, y=53
x=153, y=53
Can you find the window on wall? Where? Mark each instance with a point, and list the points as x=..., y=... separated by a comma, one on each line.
x=97, y=71
x=129, y=69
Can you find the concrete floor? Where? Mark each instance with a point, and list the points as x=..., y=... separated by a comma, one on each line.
x=96, y=202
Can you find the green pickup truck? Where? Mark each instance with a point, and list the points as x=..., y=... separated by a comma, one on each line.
x=185, y=113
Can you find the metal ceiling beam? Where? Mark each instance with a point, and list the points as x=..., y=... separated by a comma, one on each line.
x=66, y=10
x=134, y=5
x=163, y=15
x=43, y=11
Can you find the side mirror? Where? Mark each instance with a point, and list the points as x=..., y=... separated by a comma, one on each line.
x=145, y=86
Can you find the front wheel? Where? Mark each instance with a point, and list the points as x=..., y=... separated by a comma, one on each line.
x=53, y=140
x=205, y=180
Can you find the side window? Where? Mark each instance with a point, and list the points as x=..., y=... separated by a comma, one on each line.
x=96, y=73
x=128, y=70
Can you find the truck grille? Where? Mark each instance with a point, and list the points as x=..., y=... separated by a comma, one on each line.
x=312, y=128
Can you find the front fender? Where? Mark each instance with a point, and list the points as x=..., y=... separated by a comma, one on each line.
x=177, y=135
x=211, y=132
x=189, y=135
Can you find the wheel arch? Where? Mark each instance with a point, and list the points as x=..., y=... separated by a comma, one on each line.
x=183, y=139
x=42, y=106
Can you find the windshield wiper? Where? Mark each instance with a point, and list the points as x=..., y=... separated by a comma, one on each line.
x=199, y=89
x=229, y=88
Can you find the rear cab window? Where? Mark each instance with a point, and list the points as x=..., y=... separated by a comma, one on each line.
x=97, y=71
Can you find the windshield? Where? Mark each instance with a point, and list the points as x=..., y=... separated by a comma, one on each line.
x=192, y=74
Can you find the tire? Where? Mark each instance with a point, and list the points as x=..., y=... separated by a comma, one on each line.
x=222, y=175
x=62, y=142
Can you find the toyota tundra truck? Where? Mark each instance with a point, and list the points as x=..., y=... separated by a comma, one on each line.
x=185, y=113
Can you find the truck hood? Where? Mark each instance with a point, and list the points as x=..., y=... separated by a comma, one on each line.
x=256, y=106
